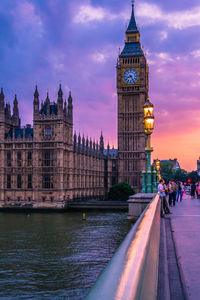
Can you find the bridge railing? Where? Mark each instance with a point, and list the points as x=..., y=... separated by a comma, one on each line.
x=133, y=271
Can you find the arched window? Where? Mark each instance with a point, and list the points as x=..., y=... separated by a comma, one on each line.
x=48, y=132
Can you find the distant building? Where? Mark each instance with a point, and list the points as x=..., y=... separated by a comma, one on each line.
x=174, y=162
x=46, y=165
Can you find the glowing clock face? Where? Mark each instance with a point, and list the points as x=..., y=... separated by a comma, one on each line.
x=130, y=76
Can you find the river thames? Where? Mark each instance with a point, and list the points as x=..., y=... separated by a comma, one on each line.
x=56, y=255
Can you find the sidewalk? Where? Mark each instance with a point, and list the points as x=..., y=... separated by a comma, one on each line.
x=185, y=223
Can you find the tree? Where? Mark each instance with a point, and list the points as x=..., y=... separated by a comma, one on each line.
x=120, y=192
x=193, y=176
x=166, y=170
x=180, y=175
x=167, y=173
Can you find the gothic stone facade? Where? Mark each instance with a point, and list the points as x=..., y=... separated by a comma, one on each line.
x=132, y=89
x=46, y=165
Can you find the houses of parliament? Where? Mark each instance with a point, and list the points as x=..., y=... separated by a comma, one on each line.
x=47, y=164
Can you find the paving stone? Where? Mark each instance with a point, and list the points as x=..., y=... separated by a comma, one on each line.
x=186, y=232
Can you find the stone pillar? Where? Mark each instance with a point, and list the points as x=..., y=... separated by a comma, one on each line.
x=137, y=204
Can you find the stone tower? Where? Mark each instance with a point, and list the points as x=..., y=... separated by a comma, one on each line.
x=53, y=126
x=132, y=89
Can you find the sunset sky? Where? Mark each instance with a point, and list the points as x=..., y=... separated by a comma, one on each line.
x=77, y=43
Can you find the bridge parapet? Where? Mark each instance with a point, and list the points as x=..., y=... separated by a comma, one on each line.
x=137, y=204
x=133, y=271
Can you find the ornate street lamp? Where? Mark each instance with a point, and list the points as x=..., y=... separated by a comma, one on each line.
x=158, y=168
x=147, y=186
x=148, y=118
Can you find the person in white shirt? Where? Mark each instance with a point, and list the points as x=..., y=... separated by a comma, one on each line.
x=164, y=205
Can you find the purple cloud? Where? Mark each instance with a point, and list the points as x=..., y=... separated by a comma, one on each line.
x=77, y=43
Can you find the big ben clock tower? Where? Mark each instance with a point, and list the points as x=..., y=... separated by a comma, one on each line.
x=132, y=90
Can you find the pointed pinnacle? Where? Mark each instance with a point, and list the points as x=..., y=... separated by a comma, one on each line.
x=60, y=93
x=36, y=94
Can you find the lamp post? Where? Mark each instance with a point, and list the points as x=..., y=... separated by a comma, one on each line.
x=148, y=129
x=158, y=168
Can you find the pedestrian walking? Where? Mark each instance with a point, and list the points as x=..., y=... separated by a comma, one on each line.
x=174, y=191
x=198, y=190
x=193, y=188
x=170, y=188
x=164, y=205
x=179, y=191
x=183, y=190
x=166, y=189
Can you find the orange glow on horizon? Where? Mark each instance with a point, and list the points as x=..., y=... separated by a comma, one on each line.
x=184, y=146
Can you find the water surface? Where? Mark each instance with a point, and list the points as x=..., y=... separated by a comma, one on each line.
x=56, y=255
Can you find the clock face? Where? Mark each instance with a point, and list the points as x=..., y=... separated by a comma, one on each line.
x=130, y=76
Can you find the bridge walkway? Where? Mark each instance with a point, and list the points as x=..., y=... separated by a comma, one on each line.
x=185, y=227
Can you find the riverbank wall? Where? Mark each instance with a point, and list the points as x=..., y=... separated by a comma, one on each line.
x=69, y=206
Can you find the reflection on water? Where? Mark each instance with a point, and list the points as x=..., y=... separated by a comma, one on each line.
x=56, y=256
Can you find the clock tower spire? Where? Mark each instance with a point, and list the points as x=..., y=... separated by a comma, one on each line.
x=132, y=24
x=132, y=90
